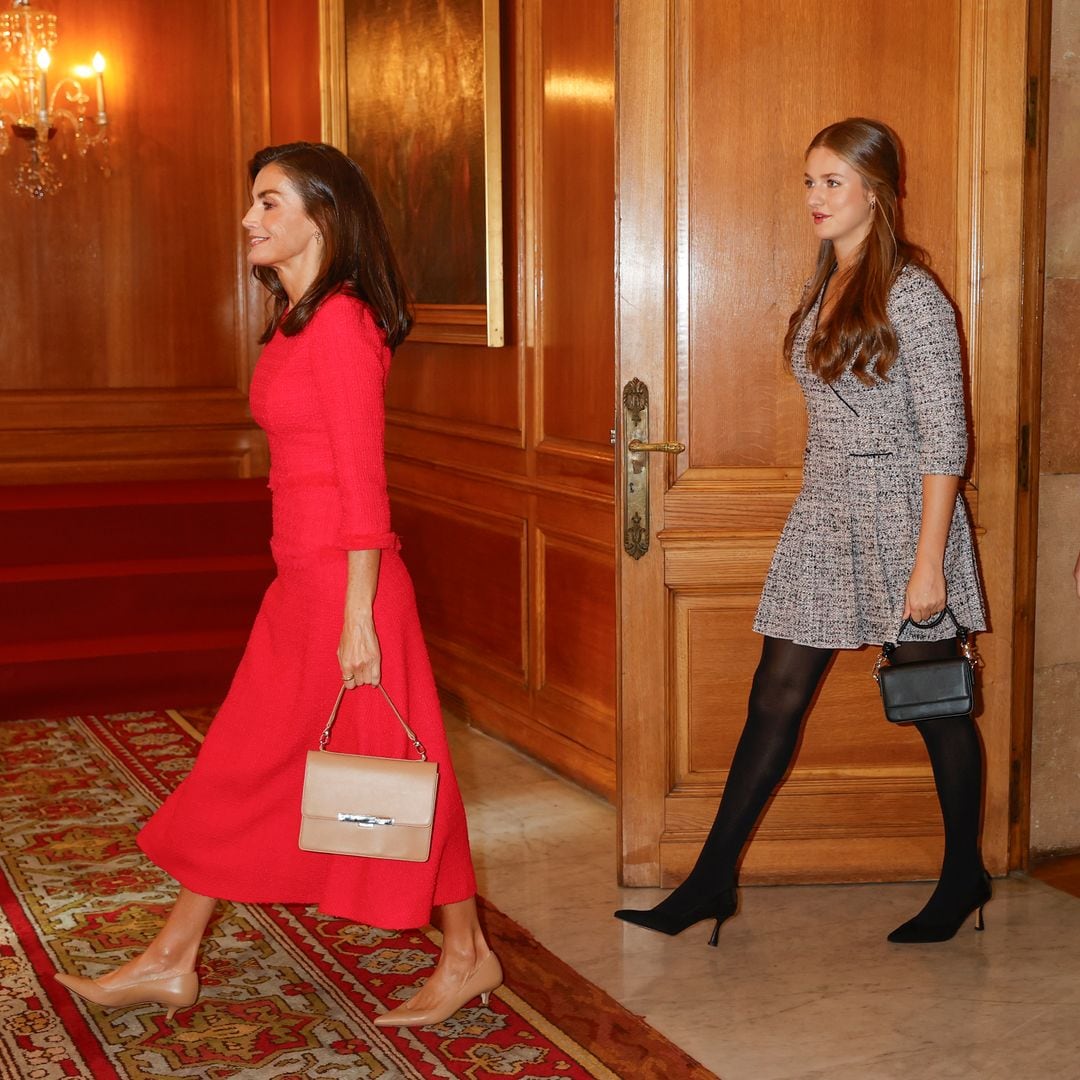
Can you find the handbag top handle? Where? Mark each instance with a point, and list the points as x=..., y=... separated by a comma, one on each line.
x=418, y=746
x=961, y=631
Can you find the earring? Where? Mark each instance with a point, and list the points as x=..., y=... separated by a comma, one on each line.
x=873, y=205
x=318, y=237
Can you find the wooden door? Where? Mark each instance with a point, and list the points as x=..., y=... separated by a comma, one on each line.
x=716, y=103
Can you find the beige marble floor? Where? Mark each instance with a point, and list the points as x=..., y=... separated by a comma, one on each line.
x=804, y=985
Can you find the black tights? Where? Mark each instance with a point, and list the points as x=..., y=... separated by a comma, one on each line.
x=784, y=684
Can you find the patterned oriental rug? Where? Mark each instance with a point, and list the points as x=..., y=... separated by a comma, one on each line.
x=287, y=993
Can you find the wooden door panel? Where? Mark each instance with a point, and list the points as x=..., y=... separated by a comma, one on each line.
x=579, y=584
x=754, y=84
x=716, y=653
x=715, y=112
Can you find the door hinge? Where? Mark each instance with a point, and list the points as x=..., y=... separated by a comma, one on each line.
x=1016, y=800
x=1024, y=464
x=1031, y=119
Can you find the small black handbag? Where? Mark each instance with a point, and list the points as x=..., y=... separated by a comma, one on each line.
x=928, y=689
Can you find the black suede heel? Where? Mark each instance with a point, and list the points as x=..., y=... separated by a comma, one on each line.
x=923, y=929
x=673, y=915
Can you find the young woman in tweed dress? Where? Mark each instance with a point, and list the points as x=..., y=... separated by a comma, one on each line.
x=879, y=531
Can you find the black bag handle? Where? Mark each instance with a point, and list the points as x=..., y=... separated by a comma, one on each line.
x=962, y=632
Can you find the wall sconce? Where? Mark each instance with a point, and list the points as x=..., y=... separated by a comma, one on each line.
x=32, y=113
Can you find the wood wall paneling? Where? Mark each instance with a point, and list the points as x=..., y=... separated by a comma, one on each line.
x=577, y=183
x=577, y=592
x=742, y=206
x=468, y=565
x=136, y=365
x=520, y=434
x=130, y=291
x=293, y=30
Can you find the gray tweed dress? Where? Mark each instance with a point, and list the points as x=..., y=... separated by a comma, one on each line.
x=841, y=568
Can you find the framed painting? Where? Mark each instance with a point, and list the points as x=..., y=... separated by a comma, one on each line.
x=410, y=90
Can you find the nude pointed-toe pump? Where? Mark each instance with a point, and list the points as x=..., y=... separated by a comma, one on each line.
x=172, y=991
x=485, y=978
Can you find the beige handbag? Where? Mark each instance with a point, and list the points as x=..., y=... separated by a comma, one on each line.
x=379, y=807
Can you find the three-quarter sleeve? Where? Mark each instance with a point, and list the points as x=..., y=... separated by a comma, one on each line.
x=925, y=325
x=346, y=351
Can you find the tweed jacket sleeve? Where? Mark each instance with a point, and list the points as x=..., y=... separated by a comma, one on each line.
x=925, y=325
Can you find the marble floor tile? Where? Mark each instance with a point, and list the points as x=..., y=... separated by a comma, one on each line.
x=804, y=985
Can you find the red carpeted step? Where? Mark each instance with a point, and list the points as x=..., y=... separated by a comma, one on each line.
x=127, y=595
x=211, y=597
x=147, y=673
x=84, y=523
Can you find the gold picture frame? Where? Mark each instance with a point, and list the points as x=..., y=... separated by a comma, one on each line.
x=457, y=281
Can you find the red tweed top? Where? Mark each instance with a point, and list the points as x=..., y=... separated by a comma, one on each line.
x=324, y=415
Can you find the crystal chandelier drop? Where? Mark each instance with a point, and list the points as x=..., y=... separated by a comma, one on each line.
x=33, y=111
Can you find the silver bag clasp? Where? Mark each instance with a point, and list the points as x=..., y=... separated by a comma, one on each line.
x=365, y=821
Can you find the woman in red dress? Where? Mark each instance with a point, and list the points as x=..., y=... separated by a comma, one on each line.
x=317, y=242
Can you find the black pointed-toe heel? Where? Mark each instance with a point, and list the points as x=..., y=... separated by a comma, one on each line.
x=980, y=923
x=924, y=929
x=673, y=918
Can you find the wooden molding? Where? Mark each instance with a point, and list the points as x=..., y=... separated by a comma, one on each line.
x=455, y=324
x=335, y=113
x=853, y=781
x=569, y=758
x=123, y=408
x=471, y=656
x=594, y=552
x=578, y=451
x=644, y=333
x=997, y=224
x=1034, y=260
x=823, y=860
x=510, y=481
x=456, y=429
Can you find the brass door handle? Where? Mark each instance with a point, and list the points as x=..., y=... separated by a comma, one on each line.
x=636, y=446
x=635, y=467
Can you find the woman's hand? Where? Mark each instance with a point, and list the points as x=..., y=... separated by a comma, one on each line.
x=925, y=595
x=359, y=653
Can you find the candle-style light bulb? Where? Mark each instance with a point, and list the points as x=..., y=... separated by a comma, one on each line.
x=99, y=67
x=43, y=61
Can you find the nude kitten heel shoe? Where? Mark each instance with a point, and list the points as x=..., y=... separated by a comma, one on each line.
x=173, y=991
x=485, y=977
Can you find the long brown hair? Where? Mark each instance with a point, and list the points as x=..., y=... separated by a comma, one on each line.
x=357, y=254
x=858, y=331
